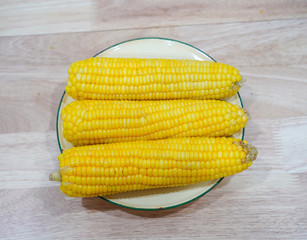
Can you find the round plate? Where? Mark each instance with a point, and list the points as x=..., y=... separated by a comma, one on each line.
x=163, y=198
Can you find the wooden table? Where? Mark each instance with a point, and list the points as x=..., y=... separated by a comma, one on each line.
x=266, y=40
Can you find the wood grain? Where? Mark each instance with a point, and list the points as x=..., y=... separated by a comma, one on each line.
x=32, y=17
x=266, y=40
x=279, y=42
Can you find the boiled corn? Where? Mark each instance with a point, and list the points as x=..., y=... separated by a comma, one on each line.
x=94, y=122
x=139, y=79
x=119, y=167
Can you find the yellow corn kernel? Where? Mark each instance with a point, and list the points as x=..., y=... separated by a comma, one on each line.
x=118, y=121
x=105, y=78
x=128, y=174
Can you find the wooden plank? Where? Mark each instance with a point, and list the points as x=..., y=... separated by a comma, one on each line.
x=31, y=106
x=36, y=17
x=240, y=207
x=274, y=92
x=239, y=44
x=37, y=150
x=220, y=214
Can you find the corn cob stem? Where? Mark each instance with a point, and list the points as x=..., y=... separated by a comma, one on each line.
x=107, y=169
x=55, y=176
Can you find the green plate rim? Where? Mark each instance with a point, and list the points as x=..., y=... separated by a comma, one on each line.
x=159, y=208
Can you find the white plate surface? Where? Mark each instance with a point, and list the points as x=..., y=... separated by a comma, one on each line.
x=153, y=199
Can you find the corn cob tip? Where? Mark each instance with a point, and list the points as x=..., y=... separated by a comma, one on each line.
x=55, y=176
x=241, y=82
x=251, y=151
x=236, y=86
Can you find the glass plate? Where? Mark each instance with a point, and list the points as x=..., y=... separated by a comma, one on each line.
x=153, y=199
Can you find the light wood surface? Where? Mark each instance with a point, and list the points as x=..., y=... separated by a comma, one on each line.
x=266, y=40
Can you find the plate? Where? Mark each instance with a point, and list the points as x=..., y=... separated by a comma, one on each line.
x=153, y=199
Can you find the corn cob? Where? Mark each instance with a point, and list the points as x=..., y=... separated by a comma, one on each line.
x=94, y=122
x=119, y=167
x=146, y=79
